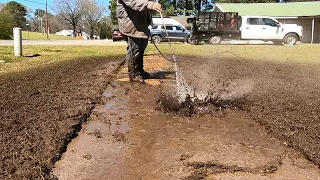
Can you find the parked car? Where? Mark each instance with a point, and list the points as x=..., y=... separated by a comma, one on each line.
x=175, y=30
x=117, y=36
x=217, y=26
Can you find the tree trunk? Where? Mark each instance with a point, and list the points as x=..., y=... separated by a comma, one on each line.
x=91, y=32
x=74, y=31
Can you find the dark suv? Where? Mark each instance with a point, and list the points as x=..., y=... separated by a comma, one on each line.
x=175, y=33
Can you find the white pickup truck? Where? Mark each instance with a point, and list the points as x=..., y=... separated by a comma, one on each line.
x=268, y=28
x=214, y=27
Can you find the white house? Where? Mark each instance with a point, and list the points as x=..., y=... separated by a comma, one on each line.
x=70, y=33
x=65, y=33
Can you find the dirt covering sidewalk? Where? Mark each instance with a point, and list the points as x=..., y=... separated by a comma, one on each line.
x=131, y=136
x=43, y=108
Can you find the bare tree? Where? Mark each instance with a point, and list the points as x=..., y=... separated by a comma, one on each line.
x=36, y=23
x=92, y=15
x=71, y=11
x=55, y=24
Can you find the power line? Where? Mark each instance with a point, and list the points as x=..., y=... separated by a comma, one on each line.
x=34, y=2
x=53, y=9
x=41, y=4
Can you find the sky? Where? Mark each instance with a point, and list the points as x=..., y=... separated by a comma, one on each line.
x=35, y=4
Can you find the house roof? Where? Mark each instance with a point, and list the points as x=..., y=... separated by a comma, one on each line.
x=293, y=9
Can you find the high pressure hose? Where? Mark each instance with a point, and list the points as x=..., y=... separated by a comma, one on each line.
x=171, y=48
x=161, y=52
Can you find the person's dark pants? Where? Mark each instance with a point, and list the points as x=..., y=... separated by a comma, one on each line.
x=134, y=57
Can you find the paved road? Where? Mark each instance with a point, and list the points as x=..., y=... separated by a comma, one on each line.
x=99, y=42
x=63, y=42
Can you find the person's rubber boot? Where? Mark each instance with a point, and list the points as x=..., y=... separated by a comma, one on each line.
x=137, y=79
x=145, y=75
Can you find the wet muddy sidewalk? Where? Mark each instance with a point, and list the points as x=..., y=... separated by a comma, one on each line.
x=126, y=137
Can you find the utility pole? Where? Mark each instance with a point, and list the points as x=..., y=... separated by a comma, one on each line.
x=28, y=29
x=47, y=29
x=40, y=28
x=41, y=25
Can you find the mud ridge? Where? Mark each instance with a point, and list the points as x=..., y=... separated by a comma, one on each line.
x=69, y=137
x=202, y=170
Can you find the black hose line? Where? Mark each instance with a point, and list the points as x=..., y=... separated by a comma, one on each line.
x=171, y=60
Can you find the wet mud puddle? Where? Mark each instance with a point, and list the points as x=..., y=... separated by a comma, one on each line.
x=100, y=147
x=127, y=138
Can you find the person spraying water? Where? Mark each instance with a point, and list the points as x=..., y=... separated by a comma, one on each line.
x=134, y=18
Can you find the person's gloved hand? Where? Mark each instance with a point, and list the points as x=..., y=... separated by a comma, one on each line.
x=157, y=7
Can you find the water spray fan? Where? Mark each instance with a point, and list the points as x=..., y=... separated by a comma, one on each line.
x=183, y=89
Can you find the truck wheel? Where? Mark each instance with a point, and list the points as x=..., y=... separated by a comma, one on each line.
x=156, y=39
x=215, y=40
x=290, y=38
x=192, y=40
x=188, y=39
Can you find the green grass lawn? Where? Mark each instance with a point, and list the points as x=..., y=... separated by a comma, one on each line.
x=300, y=54
x=305, y=53
x=40, y=36
x=46, y=55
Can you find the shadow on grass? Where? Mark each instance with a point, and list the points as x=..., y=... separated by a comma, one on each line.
x=31, y=56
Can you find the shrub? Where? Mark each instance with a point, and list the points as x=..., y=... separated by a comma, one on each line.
x=6, y=25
